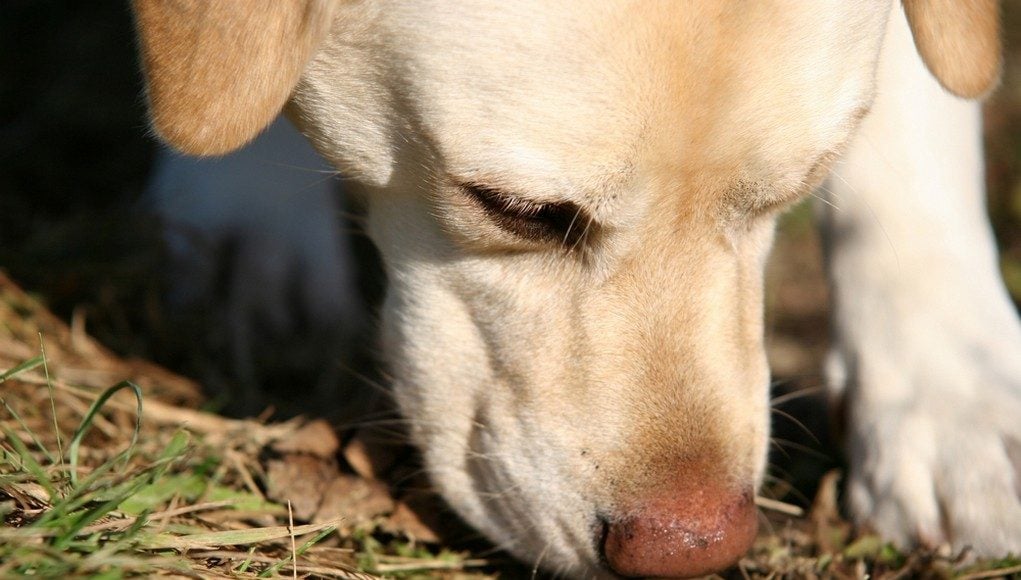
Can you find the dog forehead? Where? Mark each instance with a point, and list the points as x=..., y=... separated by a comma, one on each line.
x=587, y=88
x=589, y=91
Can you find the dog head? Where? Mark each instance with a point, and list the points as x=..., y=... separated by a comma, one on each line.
x=574, y=203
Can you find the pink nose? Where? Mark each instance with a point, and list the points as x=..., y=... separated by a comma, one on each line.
x=688, y=534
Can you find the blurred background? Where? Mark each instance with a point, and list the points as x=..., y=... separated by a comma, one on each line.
x=88, y=224
x=245, y=283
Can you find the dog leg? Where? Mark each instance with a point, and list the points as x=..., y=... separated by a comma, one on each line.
x=927, y=349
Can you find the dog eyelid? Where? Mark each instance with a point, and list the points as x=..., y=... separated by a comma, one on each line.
x=560, y=222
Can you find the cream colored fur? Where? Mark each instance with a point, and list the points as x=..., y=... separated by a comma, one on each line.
x=551, y=385
x=928, y=346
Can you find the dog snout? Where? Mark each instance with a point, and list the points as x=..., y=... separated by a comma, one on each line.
x=691, y=532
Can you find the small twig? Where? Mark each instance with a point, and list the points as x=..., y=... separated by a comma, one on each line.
x=991, y=573
x=53, y=401
x=779, y=506
x=426, y=565
x=294, y=545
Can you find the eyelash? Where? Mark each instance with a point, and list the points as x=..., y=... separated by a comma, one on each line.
x=554, y=222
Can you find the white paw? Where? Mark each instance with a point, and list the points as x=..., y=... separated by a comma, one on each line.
x=934, y=436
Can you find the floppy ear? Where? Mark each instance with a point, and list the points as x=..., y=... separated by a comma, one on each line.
x=219, y=71
x=959, y=40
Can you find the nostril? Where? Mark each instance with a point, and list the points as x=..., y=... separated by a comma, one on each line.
x=686, y=535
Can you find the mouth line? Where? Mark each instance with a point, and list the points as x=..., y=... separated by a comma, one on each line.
x=534, y=522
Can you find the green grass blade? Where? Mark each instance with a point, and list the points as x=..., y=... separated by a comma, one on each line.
x=86, y=424
x=84, y=494
x=154, y=471
x=75, y=501
x=177, y=446
x=53, y=401
x=248, y=562
x=21, y=368
x=35, y=439
x=161, y=490
x=30, y=464
x=79, y=496
x=92, y=514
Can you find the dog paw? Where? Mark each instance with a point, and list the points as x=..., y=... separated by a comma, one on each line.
x=934, y=444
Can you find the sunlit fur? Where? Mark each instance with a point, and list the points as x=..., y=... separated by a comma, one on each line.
x=927, y=352
x=549, y=387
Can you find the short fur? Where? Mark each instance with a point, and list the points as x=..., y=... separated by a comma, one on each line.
x=553, y=387
x=224, y=74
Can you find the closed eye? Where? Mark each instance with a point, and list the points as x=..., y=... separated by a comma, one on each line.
x=559, y=222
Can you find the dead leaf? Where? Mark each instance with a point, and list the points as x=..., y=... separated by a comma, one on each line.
x=354, y=499
x=315, y=438
x=831, y=531
x=301, y=479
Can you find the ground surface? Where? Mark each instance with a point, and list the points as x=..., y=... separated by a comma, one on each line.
x=95, y=489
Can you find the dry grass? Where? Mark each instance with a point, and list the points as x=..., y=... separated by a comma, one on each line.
x=113, y=481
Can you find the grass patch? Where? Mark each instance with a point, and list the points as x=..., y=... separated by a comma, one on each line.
x=129, y=497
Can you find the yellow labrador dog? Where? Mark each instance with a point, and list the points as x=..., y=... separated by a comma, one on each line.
x=575, y=201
